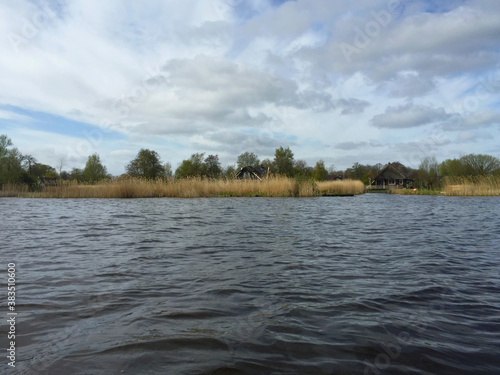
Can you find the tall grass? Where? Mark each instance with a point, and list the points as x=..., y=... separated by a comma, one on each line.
x=13, y=190
x=472, y=186
x=191, y=188
x=344, y=187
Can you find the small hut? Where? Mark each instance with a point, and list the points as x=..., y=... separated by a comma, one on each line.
x=252, y=173
x=391, y=177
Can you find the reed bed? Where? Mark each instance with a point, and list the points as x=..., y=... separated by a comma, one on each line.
x=344, y=187
x=191, y=188
x=472, y=186
x=14, y=190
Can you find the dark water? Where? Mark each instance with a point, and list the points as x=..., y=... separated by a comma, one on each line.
x=374, y=284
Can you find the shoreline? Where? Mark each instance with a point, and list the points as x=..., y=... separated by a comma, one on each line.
x=278, y=187
x=472, y=186
x=274, y=187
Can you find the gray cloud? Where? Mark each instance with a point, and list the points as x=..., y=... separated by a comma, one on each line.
x=309, y=99
x=234, y=143
x=204, y=92
x=227, y=76
x=459, y=39
x=357, y=145
x=480, y=119
x=351, y=105
x=408, y=86
x=408, y=116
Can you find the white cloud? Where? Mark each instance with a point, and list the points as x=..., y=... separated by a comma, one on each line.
x=408, y=116
x=228, y=75
x=8, y=115
x=476, y=120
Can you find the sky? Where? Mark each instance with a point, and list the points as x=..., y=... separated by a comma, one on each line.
x=364, y=81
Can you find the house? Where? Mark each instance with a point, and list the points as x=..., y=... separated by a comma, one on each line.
x=392, y=176
x=335, y=176
x=252, y=173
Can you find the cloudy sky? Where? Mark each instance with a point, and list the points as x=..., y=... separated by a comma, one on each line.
x=364, y=81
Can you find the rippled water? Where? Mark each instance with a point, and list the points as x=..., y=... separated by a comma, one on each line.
x=373, y=284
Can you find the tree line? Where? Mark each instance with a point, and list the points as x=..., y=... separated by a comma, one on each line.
x=430, y=173
x=19, y=168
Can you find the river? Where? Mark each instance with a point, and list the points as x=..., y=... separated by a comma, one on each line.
x=371, y=284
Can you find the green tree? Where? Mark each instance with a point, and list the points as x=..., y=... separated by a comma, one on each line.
x=64, y=175
x=480, y=165
x=452, y=168
x=94, y=170
x=76, y=174
x=11, y=163
x=428, y=173
x=247, y=159
x=320, y=173
x=147, y=164
x=191, y=167
x=359, y=172
x=229, y=172
x=211, y=166
x=28, y=161
x=470, y=166
x=42, y=170
x=283, y=161
x=268, y=165
x=168, y=169
x=5, y=143
x=300, y=168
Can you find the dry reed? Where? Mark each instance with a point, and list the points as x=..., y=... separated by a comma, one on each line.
x=344, y=187
x=191, y=188
x=13, y=190
x=472, y=186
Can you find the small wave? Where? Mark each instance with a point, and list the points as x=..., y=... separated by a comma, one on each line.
x=202, y=314
x=141, y=343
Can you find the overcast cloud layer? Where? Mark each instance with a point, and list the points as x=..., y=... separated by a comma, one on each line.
x=367, y=81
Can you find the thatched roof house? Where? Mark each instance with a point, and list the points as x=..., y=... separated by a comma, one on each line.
x=392, y=176
x=252, y=173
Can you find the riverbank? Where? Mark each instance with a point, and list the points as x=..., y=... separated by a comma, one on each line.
x=190, y=188
x=416, y=192
x=456, y=187
x=476, y=186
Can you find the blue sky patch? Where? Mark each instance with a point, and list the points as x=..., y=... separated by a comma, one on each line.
x=50, y=123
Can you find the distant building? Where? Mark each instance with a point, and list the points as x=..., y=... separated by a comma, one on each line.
x=48, y=181
x=391, y=177
x=335, y=176
x=252, y=173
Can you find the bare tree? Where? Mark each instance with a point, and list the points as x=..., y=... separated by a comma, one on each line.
x=61, y=163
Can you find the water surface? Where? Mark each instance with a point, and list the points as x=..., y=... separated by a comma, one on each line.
x=372, y=284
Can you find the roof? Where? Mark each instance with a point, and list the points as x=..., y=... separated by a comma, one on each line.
x=390, y=171
x=251, y=172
